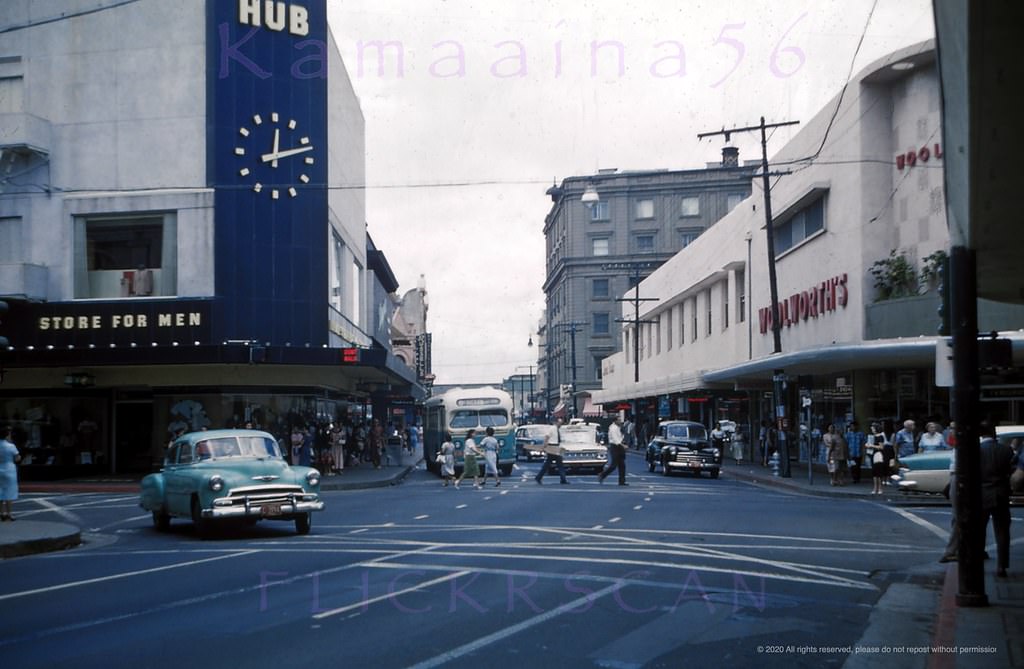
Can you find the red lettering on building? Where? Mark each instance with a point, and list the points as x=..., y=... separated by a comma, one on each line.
x=830, y=295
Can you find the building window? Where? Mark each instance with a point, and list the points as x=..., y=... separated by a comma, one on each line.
x=601, y=324
x=599, y=211
x=10, y=240
x=693, y=319
x=707, y=313
x=741, y=296
x=12, y=95
x=657, y=335
x=600, y=246
x=732, y=200
x=725, y=305
x=645, y=243
x=357, y=305
x=129, y=256
x=600, y=289
x=337, y=271
x=690, y=206
x=597, y=367
x=802, y=225
x=682, y=325
x=669, y=317
x=644, y=209
x=687, y=237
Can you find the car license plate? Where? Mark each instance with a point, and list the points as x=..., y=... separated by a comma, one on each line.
x=271, y=510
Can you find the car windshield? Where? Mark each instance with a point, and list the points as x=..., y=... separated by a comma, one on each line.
x=234, y=447
x=578, y=436
x=696, y=432
x=533, y=432
x=465, y=418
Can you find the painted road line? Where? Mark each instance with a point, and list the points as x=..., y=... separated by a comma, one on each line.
x=366, y=602
x=126, y=574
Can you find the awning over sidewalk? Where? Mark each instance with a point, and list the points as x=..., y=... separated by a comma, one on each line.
x=590, y=410
x=559, y=411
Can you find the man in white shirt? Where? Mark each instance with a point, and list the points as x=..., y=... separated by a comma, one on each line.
x=616, y=451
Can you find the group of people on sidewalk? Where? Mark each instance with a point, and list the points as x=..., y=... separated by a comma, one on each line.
x=332, y=446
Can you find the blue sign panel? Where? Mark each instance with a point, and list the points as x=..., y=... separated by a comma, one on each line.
x=267, y=143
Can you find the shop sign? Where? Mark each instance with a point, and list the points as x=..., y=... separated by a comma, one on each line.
x=924, y=154
x=161, y=322
x=827, y=296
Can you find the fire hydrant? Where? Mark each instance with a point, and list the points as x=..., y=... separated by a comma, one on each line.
x=774, y=462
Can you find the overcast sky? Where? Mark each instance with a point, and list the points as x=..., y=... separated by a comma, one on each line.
x=491, y=102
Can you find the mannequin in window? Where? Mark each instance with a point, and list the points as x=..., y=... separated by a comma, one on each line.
x=143, y=281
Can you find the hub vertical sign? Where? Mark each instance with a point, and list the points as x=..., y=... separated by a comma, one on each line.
x=267, y=163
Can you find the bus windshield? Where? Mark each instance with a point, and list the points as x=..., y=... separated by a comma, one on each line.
x=467, y=418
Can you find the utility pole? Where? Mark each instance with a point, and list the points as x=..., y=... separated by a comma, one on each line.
x=572, y=325
x=634, y=268
x=778, y=376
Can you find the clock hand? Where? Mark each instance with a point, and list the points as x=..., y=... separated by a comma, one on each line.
x=277, y=138
x=267, y=157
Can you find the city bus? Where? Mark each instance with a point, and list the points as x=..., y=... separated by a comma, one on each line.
x=461, y=409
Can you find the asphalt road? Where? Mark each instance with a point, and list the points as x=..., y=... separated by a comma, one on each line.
x=665, y=572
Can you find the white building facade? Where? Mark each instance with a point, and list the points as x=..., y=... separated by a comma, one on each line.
x=865, y=194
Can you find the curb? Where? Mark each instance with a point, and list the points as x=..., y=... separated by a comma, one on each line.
x=398, y=478
x=71, y=537
x=789, y=484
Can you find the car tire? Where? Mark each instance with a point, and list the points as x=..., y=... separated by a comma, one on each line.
x=714, y=473
x=201, y=524
x=506, y=470
x=303, y=523
x=161, y=521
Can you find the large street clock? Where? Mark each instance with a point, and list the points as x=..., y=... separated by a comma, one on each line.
x=274, y=155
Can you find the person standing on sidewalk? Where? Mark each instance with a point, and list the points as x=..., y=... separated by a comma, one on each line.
x=553, y=453
x=996, y=467
x=490, y=448
x=9, y=456
x=616, y=452
x=905, y=442
x=875, y=447
x=376, y=439
x=837, y=453
x=855, y=442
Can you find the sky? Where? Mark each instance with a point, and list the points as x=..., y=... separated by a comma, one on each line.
x=479, y=106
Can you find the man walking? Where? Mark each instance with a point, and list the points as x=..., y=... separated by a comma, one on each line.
x=553, y=453
x=616, y=452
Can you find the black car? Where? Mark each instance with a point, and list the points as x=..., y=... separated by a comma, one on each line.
x=683, y=446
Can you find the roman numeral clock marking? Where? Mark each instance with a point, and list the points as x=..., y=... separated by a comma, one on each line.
x=269, y=150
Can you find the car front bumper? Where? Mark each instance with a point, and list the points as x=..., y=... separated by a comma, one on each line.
x=692, y=465
x=250, y=507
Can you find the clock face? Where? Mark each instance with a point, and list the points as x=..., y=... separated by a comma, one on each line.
x=270, y=150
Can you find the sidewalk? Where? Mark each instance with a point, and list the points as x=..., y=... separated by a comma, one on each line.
x=959, y=637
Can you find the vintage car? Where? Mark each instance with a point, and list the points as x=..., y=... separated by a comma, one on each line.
x=929, y=472
x=530, y=441
x=219, y=475
x=683, y=446
x=580, y=447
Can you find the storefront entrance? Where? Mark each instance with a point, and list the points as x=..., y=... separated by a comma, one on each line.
x=134, y=450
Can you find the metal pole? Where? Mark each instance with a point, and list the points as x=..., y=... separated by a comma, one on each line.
x=964, y=405
x=572, y=335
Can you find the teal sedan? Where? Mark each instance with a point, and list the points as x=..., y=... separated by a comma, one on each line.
x=929, y=472
x=220, y=475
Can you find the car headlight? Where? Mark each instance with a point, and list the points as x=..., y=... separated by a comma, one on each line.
x=717, y=452
x=313, y=477
x=216, y=483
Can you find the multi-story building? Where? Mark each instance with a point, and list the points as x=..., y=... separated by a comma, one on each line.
x=859, y=231
x=177, y=249
x=601, y=245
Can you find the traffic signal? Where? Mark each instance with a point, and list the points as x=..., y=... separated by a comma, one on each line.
x=945, y=317
x=4, y=308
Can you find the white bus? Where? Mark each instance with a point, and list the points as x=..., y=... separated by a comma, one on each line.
x=462, y=409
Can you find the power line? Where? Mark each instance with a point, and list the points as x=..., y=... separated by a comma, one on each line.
x=65, y=16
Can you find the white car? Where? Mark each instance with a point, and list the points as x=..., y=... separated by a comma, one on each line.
x=580, y=447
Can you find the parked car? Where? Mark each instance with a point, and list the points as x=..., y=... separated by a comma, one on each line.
x=929, y=472
x=581, y=448
x=530, y=441
x=683, y=446
x=219, y=475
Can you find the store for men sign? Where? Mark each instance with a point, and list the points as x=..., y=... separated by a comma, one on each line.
x=101, y=324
